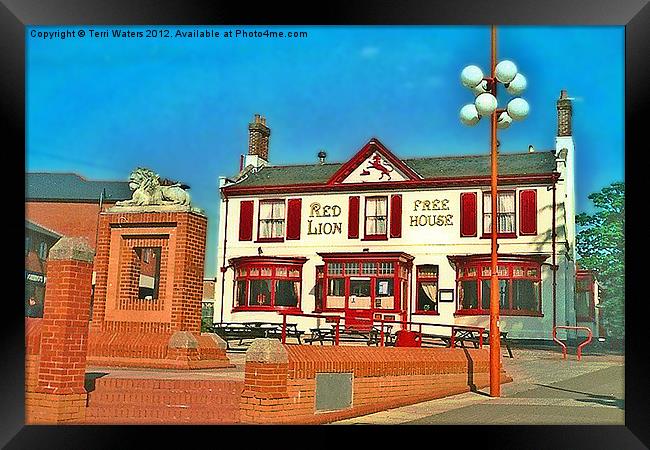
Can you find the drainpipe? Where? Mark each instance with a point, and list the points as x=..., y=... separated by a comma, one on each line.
x=553, y=236
x=223, y=265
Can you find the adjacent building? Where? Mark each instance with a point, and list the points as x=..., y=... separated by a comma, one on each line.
x=57, y=205
x=382, y=236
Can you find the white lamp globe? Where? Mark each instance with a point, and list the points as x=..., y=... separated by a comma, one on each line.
x=518, y=108
x=486, y=104
x=505, y=71
x=480, y=88
x=517, y=85
x=469, y=115
x=504, y=121
x=471, y=76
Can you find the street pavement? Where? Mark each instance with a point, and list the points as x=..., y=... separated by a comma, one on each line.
x=546, y=390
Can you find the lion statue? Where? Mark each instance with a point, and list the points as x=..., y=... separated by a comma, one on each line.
x=147, y=190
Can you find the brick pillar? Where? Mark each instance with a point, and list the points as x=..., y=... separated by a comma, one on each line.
x=60, y=395
x=265, y=382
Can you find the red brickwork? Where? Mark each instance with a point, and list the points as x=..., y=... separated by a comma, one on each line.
x=151, y=401
x=58, y=395
x=67, y=218
x=128, y=331
x=383, y=378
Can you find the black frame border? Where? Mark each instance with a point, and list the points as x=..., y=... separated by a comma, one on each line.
x=15, y=15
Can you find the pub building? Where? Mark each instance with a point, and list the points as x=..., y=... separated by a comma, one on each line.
x=381, y=236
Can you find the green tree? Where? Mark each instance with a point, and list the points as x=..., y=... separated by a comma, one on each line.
x=601, y=247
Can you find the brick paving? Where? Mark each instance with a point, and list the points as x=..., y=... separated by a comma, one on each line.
x=545, y=390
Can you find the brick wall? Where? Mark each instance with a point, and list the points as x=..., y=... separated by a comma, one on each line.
x=280, y=386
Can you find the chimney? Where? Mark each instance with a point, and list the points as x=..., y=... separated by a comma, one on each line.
x=258, y=138
x=564, y=110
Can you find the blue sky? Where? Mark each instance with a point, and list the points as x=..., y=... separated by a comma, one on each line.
x=181, y=106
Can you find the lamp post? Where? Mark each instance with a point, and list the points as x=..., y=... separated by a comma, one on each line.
x=486, y=104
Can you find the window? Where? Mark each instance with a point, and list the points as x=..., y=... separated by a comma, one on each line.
x=427, y=290
x=42, y=250
x=505, y=213
x=148, y=271
x=267, y=283
x=519, y=288
x=28, y=244
x=384, y=293
x=376, y=217
x=271, y=220
x=585, y=303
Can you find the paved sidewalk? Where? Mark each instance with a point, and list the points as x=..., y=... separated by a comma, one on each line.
x=545, y=390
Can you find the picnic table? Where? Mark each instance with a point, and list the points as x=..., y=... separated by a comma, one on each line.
x=471, y=335
x=370, y=335
x=246, y=332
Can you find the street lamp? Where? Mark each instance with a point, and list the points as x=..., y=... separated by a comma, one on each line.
x=486, y=104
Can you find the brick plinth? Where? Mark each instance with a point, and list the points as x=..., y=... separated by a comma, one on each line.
x=58, y=393
x=160, y=332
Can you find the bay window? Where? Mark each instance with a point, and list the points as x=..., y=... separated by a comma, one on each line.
x=519, y=286
x=267, y=283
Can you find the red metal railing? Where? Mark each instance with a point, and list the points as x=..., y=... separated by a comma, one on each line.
x=564, y=349
x=382, y=334
x=454, y=330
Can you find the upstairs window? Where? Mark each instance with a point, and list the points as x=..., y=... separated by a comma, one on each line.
x=376, y=217
x=271, y=220
x=505, y=214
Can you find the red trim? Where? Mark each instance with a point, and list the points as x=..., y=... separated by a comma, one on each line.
x=353, y=217
x=468, y=181
x=371, y=147
x=468, y=214
x=502, y=312
x=396, y=216
x=528, y=212
x=425, y=313
x=294, y=206
x=246, y=220
x=374, y=237
x=262, y=240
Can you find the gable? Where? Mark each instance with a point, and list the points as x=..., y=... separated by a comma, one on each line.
x=374, y=163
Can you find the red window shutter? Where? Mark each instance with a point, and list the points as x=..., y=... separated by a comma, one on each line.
x=468, y=214
x=353, y=218
x=396, y=216
x=293, y=218
x=246, y=220
x=528, y=212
